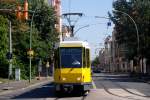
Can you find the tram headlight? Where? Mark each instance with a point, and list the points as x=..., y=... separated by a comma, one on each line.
x=63, y=78
x=78, y=78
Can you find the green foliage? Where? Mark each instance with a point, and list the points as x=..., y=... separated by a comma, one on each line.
x=3, y=46
x=44, y=36
x=45, y=20
x=126, y=33
x=95, y=62
x=3, y=37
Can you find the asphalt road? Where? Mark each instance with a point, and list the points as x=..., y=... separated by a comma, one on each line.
x=106, y=87
x=121, y=87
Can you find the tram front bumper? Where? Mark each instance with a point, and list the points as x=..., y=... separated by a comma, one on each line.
x=68, y=86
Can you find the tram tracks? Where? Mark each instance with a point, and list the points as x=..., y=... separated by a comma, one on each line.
x=128, y=94
x=131, y=91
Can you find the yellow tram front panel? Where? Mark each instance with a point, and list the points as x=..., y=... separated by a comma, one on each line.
x=72, y=75
x=86, y=75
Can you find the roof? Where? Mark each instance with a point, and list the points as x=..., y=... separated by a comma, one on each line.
x=74, y=44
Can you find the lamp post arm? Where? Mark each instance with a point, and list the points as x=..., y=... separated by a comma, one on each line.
x=31, y=27
x=137, y=32
x=87, y=26
x=101, y=17
x=81, y=28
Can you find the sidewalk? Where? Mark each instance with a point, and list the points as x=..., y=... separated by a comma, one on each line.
x=22, y=84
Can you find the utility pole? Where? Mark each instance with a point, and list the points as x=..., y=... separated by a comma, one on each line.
x=9, y=57
x=10, y=51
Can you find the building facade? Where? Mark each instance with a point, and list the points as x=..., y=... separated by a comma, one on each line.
x=57, y=7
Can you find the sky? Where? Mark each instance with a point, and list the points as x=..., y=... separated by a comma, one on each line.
x=97, y=30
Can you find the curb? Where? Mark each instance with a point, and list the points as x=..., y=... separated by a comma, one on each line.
x=148, y=82
x=27, y=87
x=145, y=81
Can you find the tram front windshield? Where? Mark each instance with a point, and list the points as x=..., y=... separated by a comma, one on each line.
x=71, y=57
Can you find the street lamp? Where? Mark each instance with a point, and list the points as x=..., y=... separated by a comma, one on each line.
x=137, y=32
x=87, y=26
x=31, y=51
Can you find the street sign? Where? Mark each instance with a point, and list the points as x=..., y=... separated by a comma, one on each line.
x=30, y=53
x=109, y=24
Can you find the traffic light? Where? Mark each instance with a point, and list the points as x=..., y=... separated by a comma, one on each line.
x=18, y=12
x=9, y=55
x=25, y=12
x=22, y=14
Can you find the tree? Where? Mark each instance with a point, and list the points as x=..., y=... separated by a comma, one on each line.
x=3, y=46
x=44, y=34
x=139, y=10
x=45, y=20
x=95, y=62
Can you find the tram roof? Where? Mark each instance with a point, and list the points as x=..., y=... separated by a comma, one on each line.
x=74, y=44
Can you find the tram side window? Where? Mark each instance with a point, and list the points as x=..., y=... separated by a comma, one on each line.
x=55, y=59
x=57, y=63
x=87, y=57
x=84, y=57
x=58, y=58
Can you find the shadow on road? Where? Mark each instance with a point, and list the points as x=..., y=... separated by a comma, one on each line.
x=44, y=91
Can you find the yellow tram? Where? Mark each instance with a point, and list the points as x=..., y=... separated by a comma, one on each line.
x=72, y=68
